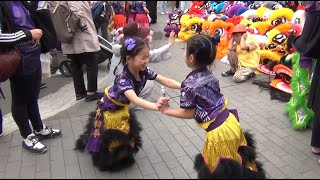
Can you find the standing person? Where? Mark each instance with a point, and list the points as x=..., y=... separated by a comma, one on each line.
x=163, y=7
x=82, y=50
x=18, y=29
x=103, y=18
x=119, y=18
x=227, y=151
x=307, y=45
x=113, y=137
x=152, y=7
x=141, y=11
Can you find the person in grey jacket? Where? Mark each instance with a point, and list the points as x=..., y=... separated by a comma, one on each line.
x=156, y=55
x=82, y=51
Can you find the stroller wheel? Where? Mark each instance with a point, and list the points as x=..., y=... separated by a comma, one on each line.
x=65, y=68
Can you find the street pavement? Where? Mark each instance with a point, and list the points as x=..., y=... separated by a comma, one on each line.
x=169, y=144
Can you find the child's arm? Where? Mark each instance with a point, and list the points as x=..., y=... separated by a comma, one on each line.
x=168, y=82
x=132, y=96
x=180, y=113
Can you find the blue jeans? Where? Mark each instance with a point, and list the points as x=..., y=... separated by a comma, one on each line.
x=163, y=6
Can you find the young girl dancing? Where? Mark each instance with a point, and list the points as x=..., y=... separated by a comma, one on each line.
x=112, y=133
x=227, y=152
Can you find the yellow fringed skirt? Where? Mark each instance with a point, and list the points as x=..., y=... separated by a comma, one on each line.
x=223, y=142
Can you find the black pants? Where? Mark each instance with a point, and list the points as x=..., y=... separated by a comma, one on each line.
x=25, y=92
x=152, y=7
x=315, y=138
x=91, y=61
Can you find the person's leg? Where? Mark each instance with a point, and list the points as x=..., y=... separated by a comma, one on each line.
x=104, y=30
x=233, y=61
x=315, y=138
x=161, y=5
x=1, y=120
x=20, y=92
x=91, y=60
x=77, y=75
x=32, y=104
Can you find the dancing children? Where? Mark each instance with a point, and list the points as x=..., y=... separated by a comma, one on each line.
x=112, y=137
x=227, y=152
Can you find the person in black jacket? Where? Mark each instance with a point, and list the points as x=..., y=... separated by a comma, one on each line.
x=152, y=7
x=18, y=29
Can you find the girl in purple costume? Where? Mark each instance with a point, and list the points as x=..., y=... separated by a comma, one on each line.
x=112, y=133
x=228, y=152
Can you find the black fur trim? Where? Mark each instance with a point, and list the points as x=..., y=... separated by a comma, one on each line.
x=82, y=141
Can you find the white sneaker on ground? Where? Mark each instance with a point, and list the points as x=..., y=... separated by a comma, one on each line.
x=32, y=144
x=47, y=132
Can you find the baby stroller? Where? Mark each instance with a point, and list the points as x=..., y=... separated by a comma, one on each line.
x=63, y=64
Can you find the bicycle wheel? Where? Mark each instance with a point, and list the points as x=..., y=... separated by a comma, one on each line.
x=65, y=68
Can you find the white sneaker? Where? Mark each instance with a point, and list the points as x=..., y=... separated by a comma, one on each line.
x=162, y=13
x=48, y=132
x=32, y=144
x=1, y=134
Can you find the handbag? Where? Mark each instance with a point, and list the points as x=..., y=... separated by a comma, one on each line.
x=65, y=22
x=10, y=60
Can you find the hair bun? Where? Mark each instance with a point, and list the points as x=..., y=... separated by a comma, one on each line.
x=216, y=39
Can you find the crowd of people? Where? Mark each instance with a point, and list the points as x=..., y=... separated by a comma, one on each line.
x=112, y=133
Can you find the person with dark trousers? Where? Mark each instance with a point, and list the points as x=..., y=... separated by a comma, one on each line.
x=83, y=51
x=18, y=28
x=310, y=37
x=152, y=7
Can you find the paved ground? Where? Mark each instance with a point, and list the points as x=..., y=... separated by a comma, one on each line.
x=169, y=144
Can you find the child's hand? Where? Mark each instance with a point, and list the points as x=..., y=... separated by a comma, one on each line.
x=163, y=103
x=172, y=38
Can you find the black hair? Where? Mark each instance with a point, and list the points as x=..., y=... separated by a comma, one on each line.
x=204, y=49
x=137, y=45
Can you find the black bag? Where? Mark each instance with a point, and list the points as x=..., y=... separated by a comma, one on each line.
x=43, y=21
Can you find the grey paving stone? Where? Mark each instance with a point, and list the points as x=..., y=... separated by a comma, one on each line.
x=153, y=155
x=70, y=158
x=43, y=174
x=179, y=173
x=259, y=127
x=301, y=168
x=188, y=131
x=274, y=138
x=146, y=142
x=162, y=171
x=187, y=163
x=279, y=132
x=145, y=166
x=12, y=170
x=58, y=169
x=274, y=172
x=197, y=142
x=193, y=175
x=3, y=163
x=170, y=160
x=273, y=147
x=274, y=159
x=152, y=133
x=73, y=171
x=133, y=172
x=176, y=149
x=28, y=172
x=191, y=151
x=2, y=175
x=183, y=140
x=86, y=166
x=140, y=154
x=42, y=162
x=160, y=145
x=299, y=155
x=151, y=176
x=167, y=137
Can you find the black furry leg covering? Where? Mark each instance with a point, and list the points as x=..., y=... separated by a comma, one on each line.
x=122, y=155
